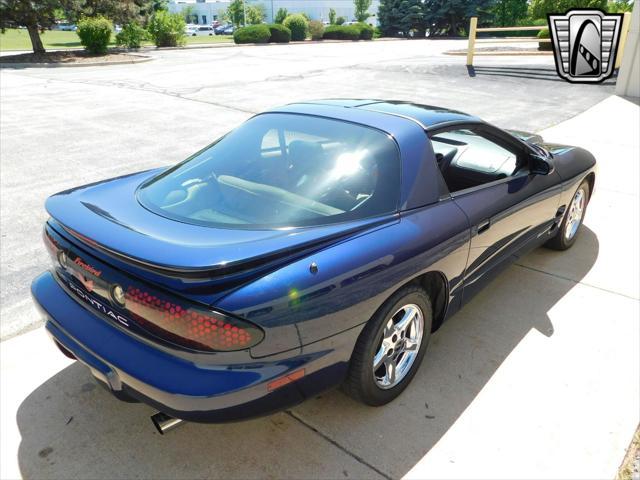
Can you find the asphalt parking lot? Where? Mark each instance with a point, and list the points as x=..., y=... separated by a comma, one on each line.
x=536, y=377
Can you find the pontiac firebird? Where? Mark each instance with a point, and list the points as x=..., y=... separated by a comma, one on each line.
x=318, y=244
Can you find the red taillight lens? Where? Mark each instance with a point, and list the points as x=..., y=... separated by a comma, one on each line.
x=190, y=326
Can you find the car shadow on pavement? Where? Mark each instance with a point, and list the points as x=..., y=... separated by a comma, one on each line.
x=70, y=427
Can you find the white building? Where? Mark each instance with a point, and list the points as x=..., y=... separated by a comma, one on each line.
x=209, y=10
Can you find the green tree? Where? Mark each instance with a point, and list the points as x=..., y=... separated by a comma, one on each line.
x=540, y=8
x=619, y=6
x=509, y=13
x=118, y=11
x=256, y=14
x=451, y=17
x=361, y=9
x=35, y=16
x=189, y=14
x=332, y=16
x=281, y=14
x=402, y=16
x=235, y=12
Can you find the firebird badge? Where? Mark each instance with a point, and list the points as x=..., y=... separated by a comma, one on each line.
x=85, y=266
x=585, y=43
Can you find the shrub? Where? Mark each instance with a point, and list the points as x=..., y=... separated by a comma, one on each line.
x=298, y=25
x=340, y=20
x=544, y=33
x=252, y=34
x=366, y=31
x=279, y=33
x=95, y=33
x=342, y=32
x=316, y=29
x=131, y=36
x=167, y=29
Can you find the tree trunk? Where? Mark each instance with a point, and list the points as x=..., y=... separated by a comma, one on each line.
x=36, y=42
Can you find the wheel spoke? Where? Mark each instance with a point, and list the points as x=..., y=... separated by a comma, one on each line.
x=409, y=314
x=389, y=330
x=410, y=345
x=390, y=365
x=378, y=360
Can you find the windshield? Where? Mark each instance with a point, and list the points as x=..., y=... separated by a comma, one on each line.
x=282, y=170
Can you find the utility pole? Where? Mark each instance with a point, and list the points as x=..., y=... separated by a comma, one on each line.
x=244, y=13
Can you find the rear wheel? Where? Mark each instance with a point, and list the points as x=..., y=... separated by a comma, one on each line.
x=390, y=348
x=568, y=230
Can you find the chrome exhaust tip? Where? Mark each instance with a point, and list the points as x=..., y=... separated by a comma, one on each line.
x=164, y=422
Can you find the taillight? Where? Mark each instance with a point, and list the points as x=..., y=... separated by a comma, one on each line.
x=164, y=316
x=189, y=325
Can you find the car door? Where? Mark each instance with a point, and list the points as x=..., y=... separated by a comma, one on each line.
x=509, y=208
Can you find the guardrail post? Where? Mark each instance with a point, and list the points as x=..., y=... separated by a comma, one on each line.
x=624, y=31
x=473, y=25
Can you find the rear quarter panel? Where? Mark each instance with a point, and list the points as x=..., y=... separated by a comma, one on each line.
x=296, y=307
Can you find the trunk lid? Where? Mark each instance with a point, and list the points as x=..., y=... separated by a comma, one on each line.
x=106, y=218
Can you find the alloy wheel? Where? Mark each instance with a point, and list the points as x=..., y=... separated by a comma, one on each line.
x=576, y=211
x=399, y=346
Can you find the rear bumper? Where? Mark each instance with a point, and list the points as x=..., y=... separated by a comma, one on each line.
x=204, y=392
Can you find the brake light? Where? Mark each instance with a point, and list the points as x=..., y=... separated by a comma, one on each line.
x=189, y=325
x=164, y=316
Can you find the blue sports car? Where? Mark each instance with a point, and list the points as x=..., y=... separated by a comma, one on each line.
x=318, y=244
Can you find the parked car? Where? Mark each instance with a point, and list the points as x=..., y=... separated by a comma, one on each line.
x=65, y=27
x=225, y=29
x=203, y=30
x=318, y=244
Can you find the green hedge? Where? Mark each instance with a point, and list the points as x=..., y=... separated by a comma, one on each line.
x=547, y=46
x=298, y=25
x=95, y=33
x=316, y=29
x=131, y=36
x=342, y=32
x=279, y=33
x=252, y=34
x=366, y=31
x=167, y=29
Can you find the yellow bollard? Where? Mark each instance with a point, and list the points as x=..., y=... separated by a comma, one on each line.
x=624, y=31
x=473, y=25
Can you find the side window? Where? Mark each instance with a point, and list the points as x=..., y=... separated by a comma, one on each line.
x=468, y=159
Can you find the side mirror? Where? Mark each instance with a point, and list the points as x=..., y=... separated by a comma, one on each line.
x=539, y=165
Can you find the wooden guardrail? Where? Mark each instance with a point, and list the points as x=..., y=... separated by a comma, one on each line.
x=473, y=30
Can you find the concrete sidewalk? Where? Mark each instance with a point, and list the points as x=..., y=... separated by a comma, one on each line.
x=536, y=378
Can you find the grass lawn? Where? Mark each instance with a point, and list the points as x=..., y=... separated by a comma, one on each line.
x=18, y=39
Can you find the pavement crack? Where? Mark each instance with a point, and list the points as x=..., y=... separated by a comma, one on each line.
x=337, y=445
x=150, y=88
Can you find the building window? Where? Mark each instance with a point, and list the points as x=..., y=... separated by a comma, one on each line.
x=204, y=19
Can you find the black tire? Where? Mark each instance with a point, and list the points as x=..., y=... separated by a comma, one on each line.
x=360, y=383
x=560, y=241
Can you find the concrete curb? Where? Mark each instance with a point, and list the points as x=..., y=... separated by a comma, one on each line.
x=150, y=48
x=142, y=59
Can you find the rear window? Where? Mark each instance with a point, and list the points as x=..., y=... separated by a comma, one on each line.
x=282, y=170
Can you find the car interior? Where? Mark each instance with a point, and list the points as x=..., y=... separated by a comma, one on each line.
x=293, y=177
x=468, y=159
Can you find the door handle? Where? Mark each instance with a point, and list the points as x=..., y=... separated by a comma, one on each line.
x=483, y=226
